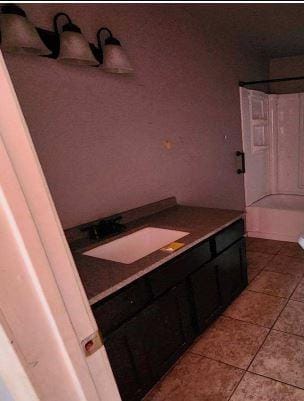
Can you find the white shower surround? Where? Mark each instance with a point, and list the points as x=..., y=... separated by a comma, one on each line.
x=287, y=137
x=278, y=217
x=280, y=214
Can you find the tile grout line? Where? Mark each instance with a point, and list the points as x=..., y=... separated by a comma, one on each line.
x=237, y=385
x=272, y=295
x=295, y=289
x=227, y=364
x=257, y=324
x=275, y=380
x=266, y=293
x=217, y=360
x=274, y=271
x=287, y=332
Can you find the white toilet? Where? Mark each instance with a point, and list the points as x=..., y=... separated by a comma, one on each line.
x=301, y=240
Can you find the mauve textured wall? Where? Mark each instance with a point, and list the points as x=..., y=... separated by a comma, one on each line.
x=100, y=136
x=285, y=67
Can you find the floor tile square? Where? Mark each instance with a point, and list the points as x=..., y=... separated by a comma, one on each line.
x=231, y=341
x=195, y=378
x=299, y=292
x=291, y=319
x=278, y=284
x=286, y=265
x=292, y=249
x=281, y=358
x=262, y=245
x=256, y=308
x=257, y=388
x=258, y=259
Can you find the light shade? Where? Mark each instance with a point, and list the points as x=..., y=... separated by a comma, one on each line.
x=18, y=35
x=74, y=49
x=115, y=60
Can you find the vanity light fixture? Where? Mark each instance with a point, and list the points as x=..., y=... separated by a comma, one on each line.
x=73, y=48
x=113, y=56
x=66, y=43
x=18, y=34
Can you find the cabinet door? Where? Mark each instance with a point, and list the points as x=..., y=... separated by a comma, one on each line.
x=206, y=294
x=167, y=329
x=232, y=272
x=217, y=283
x=125, y=349
x=143, y=349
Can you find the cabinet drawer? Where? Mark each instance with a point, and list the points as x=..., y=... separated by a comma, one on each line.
x=229, y=235
x=176, y=270
x=113, y=311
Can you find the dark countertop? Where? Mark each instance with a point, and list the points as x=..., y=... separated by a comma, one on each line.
x=103, y=277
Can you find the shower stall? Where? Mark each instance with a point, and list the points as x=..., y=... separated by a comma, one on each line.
x=273, y=144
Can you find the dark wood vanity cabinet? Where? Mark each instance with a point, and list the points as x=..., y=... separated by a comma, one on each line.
x=148, y=324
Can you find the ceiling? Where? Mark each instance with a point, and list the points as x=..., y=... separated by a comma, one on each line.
x=274, y=30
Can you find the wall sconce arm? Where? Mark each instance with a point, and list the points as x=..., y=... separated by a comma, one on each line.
x=99, y=35
x=55, y=21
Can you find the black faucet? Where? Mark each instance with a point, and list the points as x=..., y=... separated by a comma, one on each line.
x=104, y=228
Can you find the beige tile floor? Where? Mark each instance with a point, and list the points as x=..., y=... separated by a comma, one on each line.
x=255, y=350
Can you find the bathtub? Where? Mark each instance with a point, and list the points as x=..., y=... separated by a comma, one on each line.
x=278, y=217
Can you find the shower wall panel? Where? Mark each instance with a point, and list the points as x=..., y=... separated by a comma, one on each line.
x=288, y=143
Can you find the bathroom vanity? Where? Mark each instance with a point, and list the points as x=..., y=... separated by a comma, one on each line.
x=151, y=310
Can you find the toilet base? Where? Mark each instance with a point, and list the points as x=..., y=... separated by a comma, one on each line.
x=301, y=240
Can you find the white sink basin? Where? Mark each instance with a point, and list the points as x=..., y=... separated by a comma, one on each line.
x=135, y=246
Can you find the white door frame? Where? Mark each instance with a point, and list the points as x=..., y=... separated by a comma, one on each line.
x=37, y=246
x=14, y=382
